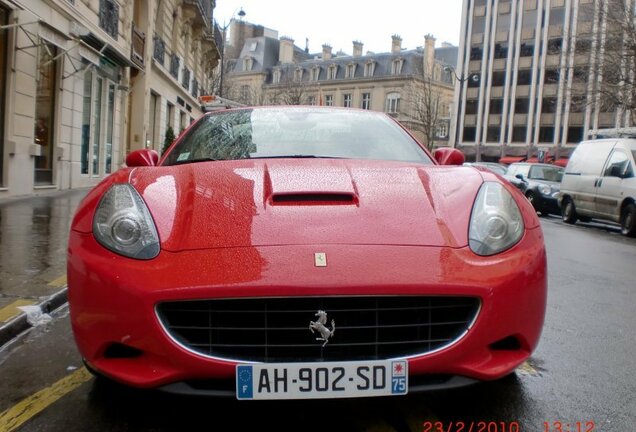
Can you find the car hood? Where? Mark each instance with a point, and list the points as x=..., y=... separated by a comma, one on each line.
x=308, y=201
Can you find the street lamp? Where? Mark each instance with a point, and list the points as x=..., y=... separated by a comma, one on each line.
x=241, y=14
x=474, y=77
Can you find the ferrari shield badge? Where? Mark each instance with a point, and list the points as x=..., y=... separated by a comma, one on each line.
x=320, y=326
x=320, y=259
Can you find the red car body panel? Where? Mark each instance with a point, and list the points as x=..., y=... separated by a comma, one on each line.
x=224, y=234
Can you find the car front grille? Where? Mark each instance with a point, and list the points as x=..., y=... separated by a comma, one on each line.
x=278, y=329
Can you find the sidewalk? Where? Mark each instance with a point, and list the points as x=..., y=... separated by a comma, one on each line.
x=33, y=242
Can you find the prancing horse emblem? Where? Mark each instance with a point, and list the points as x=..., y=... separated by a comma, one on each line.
x=321, y=327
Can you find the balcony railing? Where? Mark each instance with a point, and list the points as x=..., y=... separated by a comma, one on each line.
x=174, y=66
x=159, y=49
x=138, y=46
x=204, y=10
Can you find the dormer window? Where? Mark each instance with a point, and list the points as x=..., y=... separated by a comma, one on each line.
x=315, y=73
x=332, y=72
x=276, y=76
x=298, y=74
x=248, y=62
x=369, y=68
x=396, y=66
x=350, y=71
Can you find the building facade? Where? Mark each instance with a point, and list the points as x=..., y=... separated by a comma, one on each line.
x=414, y=86
x=78, y=79
x=529, y=78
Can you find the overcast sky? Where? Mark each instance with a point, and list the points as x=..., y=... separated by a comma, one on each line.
x=339, y=22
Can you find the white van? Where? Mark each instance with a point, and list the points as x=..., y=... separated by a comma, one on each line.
x=599, y=183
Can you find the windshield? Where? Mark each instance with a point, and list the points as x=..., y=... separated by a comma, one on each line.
x=547, y=173
x=296, y=132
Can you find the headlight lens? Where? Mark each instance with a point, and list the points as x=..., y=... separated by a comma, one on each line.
x=123, y=224
x=545, y=189
x=496, y=223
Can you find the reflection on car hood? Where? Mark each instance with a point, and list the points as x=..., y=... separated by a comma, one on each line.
x=308, y=201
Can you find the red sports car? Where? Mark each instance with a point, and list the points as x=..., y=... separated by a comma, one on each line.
x=304, y=252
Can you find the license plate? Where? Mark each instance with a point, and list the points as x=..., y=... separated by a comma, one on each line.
x=322, y=380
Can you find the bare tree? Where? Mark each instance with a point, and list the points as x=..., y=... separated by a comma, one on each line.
x=290, y=91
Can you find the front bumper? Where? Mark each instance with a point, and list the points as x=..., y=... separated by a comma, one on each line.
x=113, y=302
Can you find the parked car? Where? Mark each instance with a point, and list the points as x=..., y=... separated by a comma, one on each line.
x=540, y=183
x=599, y=183
x=304, y=252
x=492, y=166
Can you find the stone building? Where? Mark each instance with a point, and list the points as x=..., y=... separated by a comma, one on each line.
x=81, y=85
x=413, y=85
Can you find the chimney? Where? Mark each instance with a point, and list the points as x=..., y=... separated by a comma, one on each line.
x=326, y=52
x=429, y=54
x=396, y=46
x=357, y=48
x=286, y=50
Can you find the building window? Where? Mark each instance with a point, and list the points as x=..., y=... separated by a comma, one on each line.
x=44, y=129
x=86, y=121
x=522, y=105
x=546, y=134
x=501, y=50
x=519, y=133
x=392, y=103
x=396, y=66
x=575, y=134
x=551, y=76
x=498, y=78
x=185, y=79
x=350, y=71
x=332, y=72
x=493, y=133
x=276, y=76
x=549, y=105
x=244, y=93
x=471, y=106
x=247, y=64
x=366, y=101
x=329, y=100
x=369, y=68
x=578, y=104
x=174, y=66
x=469, y=133
x=315, y=73
x=524, y=77
x=109, y=17
x=442, y=130
x=476, y=53
x=311, y=100
x=496, y=106
x=526, y=49
x=555, y=45
x=298, y=74
x=346, y=100
x=474, y=80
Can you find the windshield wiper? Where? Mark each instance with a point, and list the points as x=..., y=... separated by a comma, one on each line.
x=187, y=161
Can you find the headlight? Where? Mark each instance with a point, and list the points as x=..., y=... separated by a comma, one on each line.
x=123, y=224
x=495, y=223
x=545, y=189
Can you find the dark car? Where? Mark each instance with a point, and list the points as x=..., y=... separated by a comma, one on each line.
x=540, y=183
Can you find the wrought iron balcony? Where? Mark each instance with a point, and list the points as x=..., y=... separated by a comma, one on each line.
x=185, y=82
x=109, y=17
x=174, y=66
x=203, y=10
x=138, y=46
x=159, y=49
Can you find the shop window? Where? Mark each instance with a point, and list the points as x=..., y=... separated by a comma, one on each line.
x=45, y=83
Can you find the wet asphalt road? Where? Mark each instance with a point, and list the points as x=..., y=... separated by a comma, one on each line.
x=582, y=371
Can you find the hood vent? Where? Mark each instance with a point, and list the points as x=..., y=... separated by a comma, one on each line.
x=309, y=198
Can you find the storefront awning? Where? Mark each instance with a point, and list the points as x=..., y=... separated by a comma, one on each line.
x=511, y=159
x=561, y=162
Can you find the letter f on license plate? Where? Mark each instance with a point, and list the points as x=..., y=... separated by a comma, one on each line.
x=322, y=380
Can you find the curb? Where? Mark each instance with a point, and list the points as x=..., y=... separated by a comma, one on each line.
x=19, y=324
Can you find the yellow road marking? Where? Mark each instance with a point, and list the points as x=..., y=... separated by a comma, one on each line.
x=58, y=282
x=28, y=408
x=527, y=369
x=10, y=311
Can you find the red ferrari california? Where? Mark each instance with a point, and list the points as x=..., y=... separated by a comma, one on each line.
x=304, y=252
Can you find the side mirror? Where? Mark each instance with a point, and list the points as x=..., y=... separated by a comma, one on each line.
x=142, y=158
x=449, y=156
x=520, y=177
